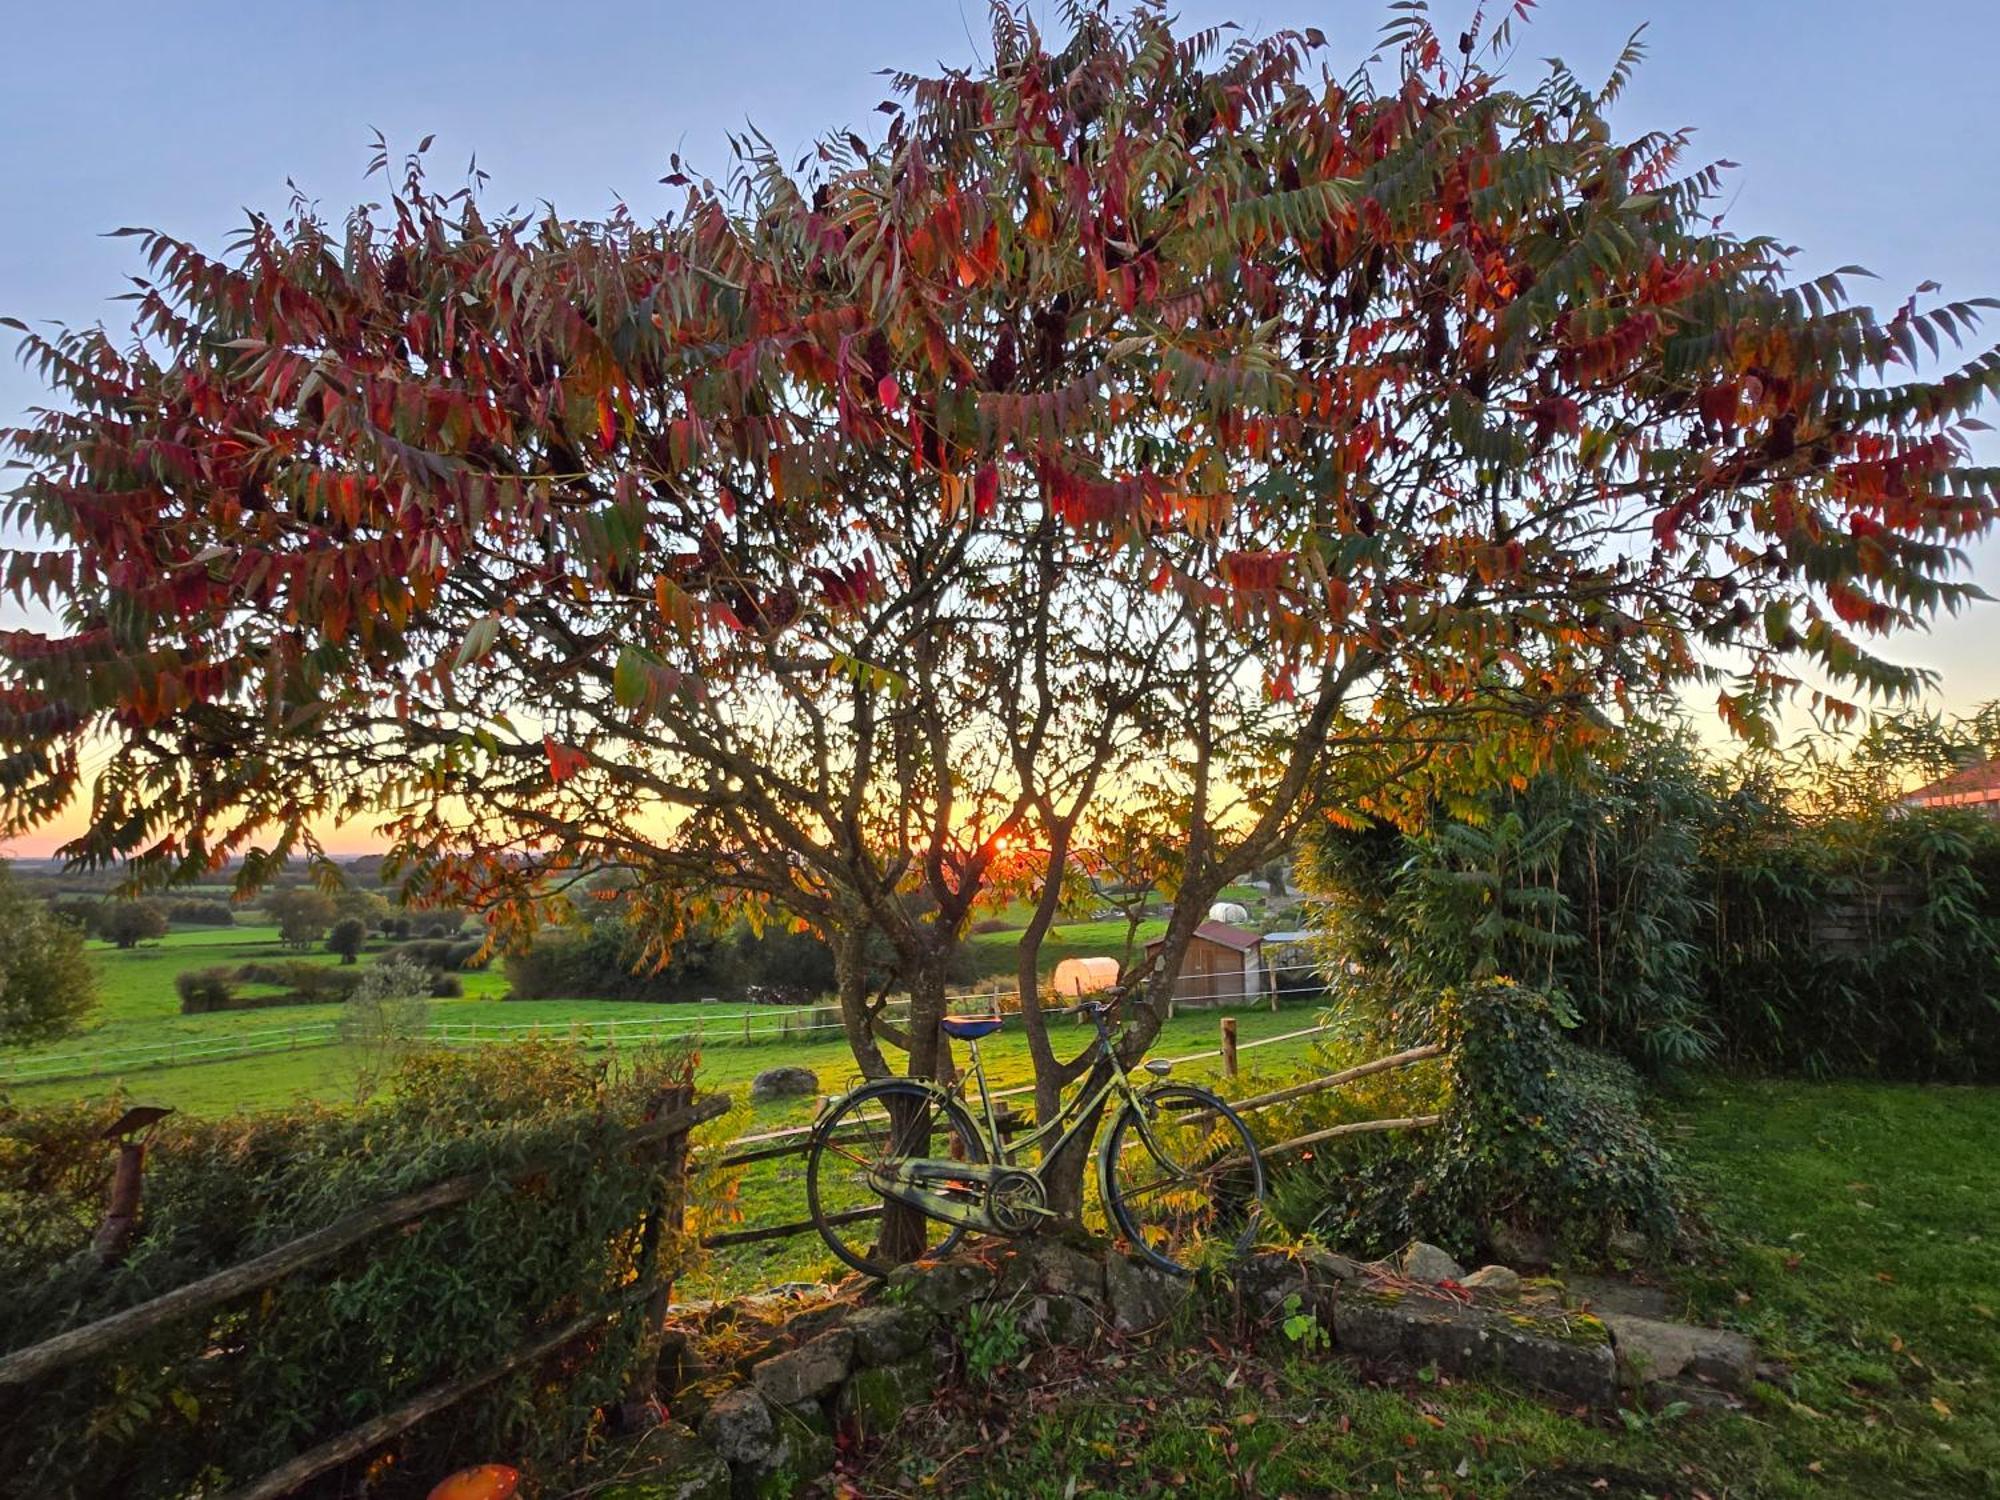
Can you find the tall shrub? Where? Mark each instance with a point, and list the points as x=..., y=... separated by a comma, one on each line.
x=1582, y=882
x=1867, y=943
x=1538, y=1133
x=210, y=1401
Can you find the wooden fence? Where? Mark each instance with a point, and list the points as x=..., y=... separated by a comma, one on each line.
x=665, y=1135
x=797, y=1140
x=646, y=1296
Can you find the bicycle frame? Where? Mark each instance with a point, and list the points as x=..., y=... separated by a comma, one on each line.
x=911, y=1181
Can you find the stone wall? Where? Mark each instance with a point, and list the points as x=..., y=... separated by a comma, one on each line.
x=757, y=1391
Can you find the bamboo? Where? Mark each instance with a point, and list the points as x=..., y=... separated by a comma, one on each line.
x=26, y=1364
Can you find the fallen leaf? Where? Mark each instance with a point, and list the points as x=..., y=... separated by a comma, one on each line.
x=1938, y=1406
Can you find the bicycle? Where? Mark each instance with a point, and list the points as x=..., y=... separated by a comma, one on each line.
x=1177, y=1169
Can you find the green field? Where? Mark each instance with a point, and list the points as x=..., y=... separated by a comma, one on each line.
x=140, y=1009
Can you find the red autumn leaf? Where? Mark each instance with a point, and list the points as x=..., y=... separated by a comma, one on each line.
x=890, y=392
x=564, y=761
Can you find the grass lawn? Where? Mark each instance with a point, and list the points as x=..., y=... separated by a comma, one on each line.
x=1858, y=1239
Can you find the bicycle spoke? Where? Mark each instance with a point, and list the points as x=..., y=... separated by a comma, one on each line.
x=863, y=1143
x=1176, y=1182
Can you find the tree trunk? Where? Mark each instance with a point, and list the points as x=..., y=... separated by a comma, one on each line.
x=904, y=1235
x=850, y=975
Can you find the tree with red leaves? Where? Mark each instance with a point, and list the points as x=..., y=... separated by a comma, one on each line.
x=1149, y=406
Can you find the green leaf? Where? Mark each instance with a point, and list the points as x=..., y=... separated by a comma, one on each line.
x=479, y=641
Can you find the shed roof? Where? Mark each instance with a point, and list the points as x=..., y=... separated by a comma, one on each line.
x=1223, y=933
x=1974, y=784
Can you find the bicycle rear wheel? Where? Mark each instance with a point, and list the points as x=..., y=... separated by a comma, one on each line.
x=1181, y=1174
x=862, y=1138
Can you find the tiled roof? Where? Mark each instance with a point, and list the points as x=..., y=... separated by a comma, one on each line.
x=1974, y=784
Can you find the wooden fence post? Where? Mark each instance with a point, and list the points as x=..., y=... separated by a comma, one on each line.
x=1229, y=1046
x=664, y=1223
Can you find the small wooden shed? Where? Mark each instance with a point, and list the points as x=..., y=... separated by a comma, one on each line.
x=1224, y=967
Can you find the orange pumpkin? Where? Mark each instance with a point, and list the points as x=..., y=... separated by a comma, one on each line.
x=486, y=1482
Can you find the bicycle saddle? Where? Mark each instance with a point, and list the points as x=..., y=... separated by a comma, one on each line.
x=970, y=1028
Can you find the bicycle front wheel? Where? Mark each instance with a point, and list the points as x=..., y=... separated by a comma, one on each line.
x=1182, y=1177
x=859, y=1144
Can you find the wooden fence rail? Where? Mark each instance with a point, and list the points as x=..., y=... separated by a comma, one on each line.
x=797, y=1140
x=108, y=1333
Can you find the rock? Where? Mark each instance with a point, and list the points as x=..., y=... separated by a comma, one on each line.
x=1629, y=1244
x=1268, y=1277
x=1614, y=1294
x=679, y=1466
x=1139, y=1295
x=1501, y=1281
x=1421, y=1262
x=875, y=1399
x=1517, y=1247
x=883, y=1334
x=739, y=1428
x=1325, y=1266
x=1069, y=1271
x=1055, y=1319
x=1542, y=1293
x=941, y=1288
x=1568, y=1359
x=1650, y=1351
x=808, y=1437
x=783, y=1083
x=690, y=1403
x=807, y=1372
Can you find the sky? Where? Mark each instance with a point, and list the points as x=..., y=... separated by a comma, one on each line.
x=1862, y=128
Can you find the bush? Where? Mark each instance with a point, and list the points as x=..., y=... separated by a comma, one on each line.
x=440, y=953
x=446, y=986
x=1585, y=884
x=47, y=984
x=597, y=963
x=1865, y=944
x=1538, y=1133
x=385, y=1021
x=309, y=983
x=204, y=990
x=1684, y=913
x=210, y=1401
x=192, y=912
x=347, y=938
x=130, y=923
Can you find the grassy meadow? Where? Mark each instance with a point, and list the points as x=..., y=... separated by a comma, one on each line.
x=1856, y=1236
x=139, y=1009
